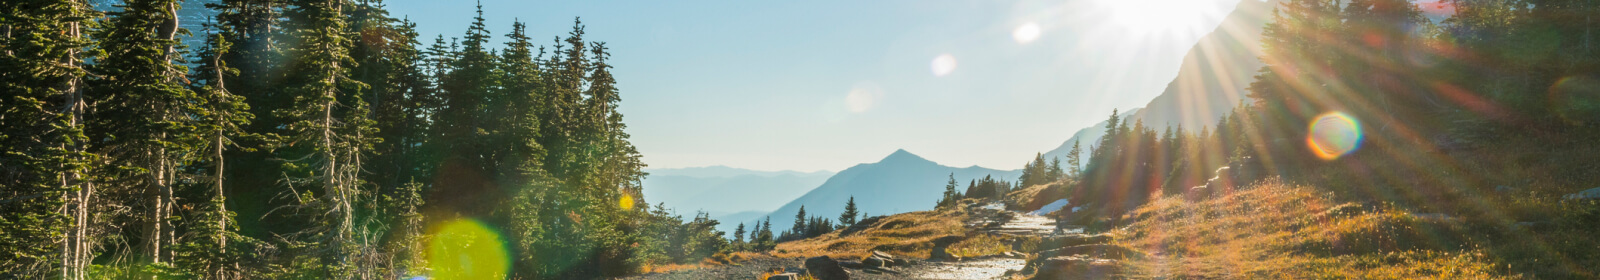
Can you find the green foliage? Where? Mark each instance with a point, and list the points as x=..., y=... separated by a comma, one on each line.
x=987, y=188
x=848, y=217
x=951, y=196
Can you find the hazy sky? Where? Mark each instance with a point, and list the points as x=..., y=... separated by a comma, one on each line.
x=824, y=85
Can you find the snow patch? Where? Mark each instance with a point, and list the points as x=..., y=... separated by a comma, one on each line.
x=1050, y=208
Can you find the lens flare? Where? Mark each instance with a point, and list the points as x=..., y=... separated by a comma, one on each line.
x=467, y=249
x=1576, y=99
x=943, y=65
x=626, y=201
x=1333, y=135
x=1026, y=33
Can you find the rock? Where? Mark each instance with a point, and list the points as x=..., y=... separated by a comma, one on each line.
x=901, y=262
x=874, y=262
x=940, y=247
x=852, y=264
x=881, y=254
x=1585, y=194
x=1075, y=268
x=825, y=268
x=785, y=276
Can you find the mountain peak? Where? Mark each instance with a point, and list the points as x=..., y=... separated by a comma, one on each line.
x=901, y=155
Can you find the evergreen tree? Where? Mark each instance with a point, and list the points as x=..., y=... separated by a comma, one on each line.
x=145, y=125
x=1075, y=160
x=764, y=240
x=951, y=196
x=42, y=109
x=799, y=221
x=1055, y=172
x=327, y=133
x=848, y=217
x=738, y=238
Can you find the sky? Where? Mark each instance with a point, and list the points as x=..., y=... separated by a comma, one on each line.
x=825, y=85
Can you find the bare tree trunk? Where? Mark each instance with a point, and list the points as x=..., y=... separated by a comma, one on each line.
x=73, y=249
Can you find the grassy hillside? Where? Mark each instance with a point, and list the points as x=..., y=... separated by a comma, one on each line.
x=1278, y=231
x=906, y=234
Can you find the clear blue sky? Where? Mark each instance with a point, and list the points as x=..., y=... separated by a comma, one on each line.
x=824, y=85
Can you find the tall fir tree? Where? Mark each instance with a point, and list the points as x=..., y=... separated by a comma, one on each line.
x=327, y=133
x=848, y=217
x=42, y=143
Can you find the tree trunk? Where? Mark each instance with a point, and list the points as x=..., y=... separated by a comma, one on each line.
x=73, y=249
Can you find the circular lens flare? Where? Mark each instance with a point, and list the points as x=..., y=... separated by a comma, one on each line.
x=467, y=249
x=943, y=65
x=1026, y=33
x=626, y=201
x=1333, y=135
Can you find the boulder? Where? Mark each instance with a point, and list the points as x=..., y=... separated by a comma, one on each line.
x=941, y=245
x=875, y=262
x=784, y=276
x=852, y=264
x=1585, y=194
x=825, y=268
x=901, y=262
x=1075, y=268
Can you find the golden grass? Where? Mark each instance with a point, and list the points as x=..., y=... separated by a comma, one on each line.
x=979, y=245
x=907, y=234
x=1277, y=231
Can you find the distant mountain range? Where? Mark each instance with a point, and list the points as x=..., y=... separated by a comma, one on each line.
x=727, y=193
x=902, y=182
x=1211, y=81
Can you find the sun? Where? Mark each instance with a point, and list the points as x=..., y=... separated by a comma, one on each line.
x=1151, y=16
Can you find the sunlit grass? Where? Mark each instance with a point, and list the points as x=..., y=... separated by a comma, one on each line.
x=1278, y=231
x=908, y=234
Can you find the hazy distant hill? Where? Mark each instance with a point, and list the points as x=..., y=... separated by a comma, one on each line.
x=721, y=171
x=723, y=191
x=1211, y=81
x=901, y=182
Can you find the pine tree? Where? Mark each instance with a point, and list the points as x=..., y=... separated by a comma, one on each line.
x=951, y=196
x=1075, y=161
x=1055, y=172
x=764, y=239
x=799, y=222
x=326, y=132
x=146, y=122
x=738, y=238
x=848, y=218
x=42, y=109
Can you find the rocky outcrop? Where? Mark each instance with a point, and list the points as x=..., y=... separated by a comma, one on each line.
x=825, y=268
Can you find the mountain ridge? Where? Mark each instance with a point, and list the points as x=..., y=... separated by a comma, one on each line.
x=900, y=182
x=1211, y=81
